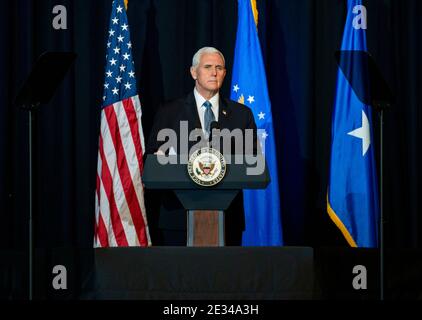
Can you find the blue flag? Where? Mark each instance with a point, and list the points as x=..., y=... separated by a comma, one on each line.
x=352, y=191
x=249, y=86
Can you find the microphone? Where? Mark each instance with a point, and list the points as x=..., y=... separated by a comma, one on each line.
x=213, y=134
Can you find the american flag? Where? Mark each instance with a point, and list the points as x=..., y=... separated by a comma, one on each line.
x=120, y=216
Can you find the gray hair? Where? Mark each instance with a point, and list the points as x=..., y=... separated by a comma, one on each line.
x=200, y=52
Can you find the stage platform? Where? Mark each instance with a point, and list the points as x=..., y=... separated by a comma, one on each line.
x=227, y=273
x=205, y=273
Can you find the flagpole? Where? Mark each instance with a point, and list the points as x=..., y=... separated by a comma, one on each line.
x=31, y=111
x=30, y=203
x=380, y=106
x=381, y=114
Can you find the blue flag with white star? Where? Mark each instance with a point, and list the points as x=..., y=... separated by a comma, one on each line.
x=249, y=86
x=352, y=200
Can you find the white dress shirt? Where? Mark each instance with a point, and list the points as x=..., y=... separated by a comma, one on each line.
x=201, y=109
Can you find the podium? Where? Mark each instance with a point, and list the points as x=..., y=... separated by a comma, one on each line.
x=205, y=206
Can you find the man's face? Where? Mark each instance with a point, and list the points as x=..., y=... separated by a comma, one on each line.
x=209, y=74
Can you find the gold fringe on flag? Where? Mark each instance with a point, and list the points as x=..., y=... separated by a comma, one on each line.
x=126, y=2
x=255, y=12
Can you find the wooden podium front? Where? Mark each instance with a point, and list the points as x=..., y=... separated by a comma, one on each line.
x=205, y=228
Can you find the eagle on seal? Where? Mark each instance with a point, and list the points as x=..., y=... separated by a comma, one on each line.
x=206, y=168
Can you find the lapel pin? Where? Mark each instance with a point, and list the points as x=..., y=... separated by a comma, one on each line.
x=224, y=112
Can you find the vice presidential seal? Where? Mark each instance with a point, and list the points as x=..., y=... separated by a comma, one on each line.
x=206, y=167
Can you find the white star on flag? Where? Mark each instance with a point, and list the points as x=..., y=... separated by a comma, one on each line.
x=120, y=38
x=251, y=99
x=126, y=56
x=115, y=90
x=119, y=9
x=363, y=133
x=113, y=61
x=111, y=32
x=115, y=21
x=261, y=115
x=236, y=88
x=128, y=86
x=116, y=50
x=264, y=135
x=119, y=79
x=123, y=68
x=124, y=27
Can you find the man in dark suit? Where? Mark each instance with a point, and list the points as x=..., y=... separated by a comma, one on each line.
x=200, y=108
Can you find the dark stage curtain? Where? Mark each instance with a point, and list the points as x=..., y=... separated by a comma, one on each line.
x=299, y=39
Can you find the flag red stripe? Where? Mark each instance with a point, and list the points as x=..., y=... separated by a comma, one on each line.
x=98, y=185
x=107, y=180
x=134, y=129
x=95, y=232
x=125, y=177
x=101, y=234
x=98, y=204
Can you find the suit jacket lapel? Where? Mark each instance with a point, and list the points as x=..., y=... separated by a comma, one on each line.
x=223, y=114
x=191, y=112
